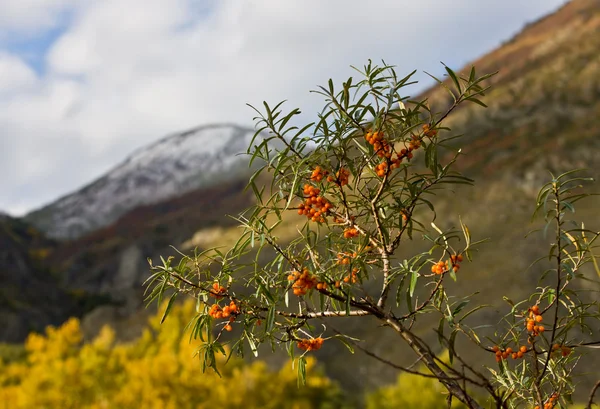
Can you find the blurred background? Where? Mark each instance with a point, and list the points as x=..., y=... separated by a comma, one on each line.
x=121, y=124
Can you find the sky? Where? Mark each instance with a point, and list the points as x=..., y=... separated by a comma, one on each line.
x=83, y=83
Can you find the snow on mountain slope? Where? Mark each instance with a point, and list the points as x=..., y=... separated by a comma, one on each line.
x=176, y=164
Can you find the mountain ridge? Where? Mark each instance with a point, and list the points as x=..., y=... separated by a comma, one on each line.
x=175, y=164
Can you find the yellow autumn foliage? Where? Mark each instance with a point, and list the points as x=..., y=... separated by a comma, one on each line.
x=157, y=371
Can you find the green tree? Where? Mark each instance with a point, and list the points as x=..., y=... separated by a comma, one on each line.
x=364, y=178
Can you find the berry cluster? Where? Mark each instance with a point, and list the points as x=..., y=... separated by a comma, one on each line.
x=564, y=350
x=508, y=352
x=440, y=267
x=217, y=291
x=310, y=344
x=385, y=150
x=229, y=311
x=315, y=207
x=456, y=259
x=533, y=321
x=350, y=232
x=551, y=402
x=429, y=132
x=318, y=174
x=341, y=177
x=352, y=277
x=381, y=146
x=382, y=169
x=217, y=312
x=305, y=281
x=345, y=258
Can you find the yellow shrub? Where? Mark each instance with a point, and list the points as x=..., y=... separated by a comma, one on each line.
x=156, y=371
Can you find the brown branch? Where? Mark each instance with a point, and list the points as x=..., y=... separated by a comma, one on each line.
x=426, y=302
x=557, y=211
x=428, y=359
x=324, y=314
x=388, y=362
x=592, y=393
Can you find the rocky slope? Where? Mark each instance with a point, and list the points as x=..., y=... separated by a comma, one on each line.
x=31, y=296
x=177, y=164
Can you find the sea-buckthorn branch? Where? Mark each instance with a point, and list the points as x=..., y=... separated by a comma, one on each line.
x=590, y=401
x=269, y=124
x=428, y=359
x=425, y=303
x=397, y=366
x=341, y=109
x=484, y=380
x=385, y=256
x=401, y=368
x=362, y=304
x=414, y=201
x=559, y=248
x=324, y=314
x=348, y=221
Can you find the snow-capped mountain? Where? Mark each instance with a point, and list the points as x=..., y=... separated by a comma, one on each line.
x=174, y=165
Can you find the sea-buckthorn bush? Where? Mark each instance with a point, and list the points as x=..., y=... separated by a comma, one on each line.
x=360, y=182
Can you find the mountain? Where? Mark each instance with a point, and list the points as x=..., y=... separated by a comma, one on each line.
x=179, y=163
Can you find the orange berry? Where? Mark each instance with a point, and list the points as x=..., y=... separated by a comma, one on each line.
x=535, y=309
x=538, y=318
x=228, y=327
x=523, y=349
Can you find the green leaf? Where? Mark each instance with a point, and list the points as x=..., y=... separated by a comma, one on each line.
x=454, y=78
x=301, y=371
x=270, y=320
x=347, y=344
x=459, y=307
x=252, y=345
x=413, y=282
x=169, y=305
x=451, y=343
x=476, y=101
x=440, y=331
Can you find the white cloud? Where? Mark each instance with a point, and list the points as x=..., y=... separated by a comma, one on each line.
x=125, y=72
x=15, y=75
x=28, y=16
